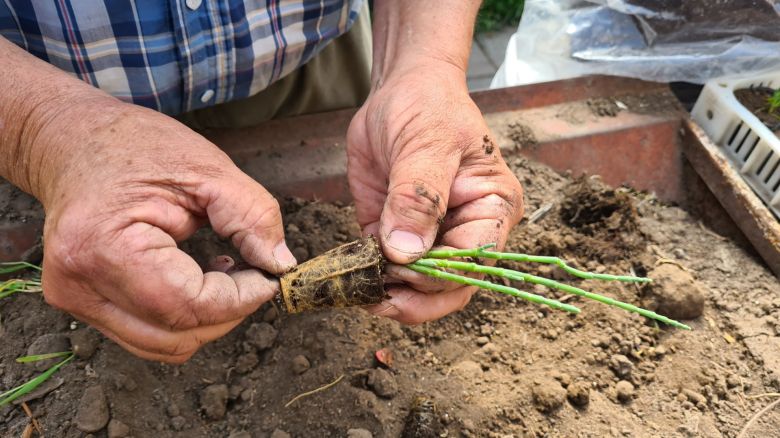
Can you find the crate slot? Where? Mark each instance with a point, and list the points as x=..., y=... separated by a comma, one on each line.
x=771, y=173
x=734, y=135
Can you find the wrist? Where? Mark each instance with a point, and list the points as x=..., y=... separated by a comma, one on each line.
x=55, y=135
x=420, y=69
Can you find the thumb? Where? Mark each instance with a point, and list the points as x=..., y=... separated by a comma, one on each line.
x=418, y=191
x=243, y=210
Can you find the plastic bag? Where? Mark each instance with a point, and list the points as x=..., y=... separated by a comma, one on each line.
x=665, y=41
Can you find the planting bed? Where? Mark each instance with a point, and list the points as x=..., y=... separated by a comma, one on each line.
x=501, y=367
x=755, y=99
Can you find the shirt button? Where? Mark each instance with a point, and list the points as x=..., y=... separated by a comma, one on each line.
x=194, y=4
x=207, y=95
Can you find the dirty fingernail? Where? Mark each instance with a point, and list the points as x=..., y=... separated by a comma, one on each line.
x=406, y=242
x=284, y=257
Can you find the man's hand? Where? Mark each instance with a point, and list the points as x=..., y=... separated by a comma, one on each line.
x=130, y=183
x=424, y=170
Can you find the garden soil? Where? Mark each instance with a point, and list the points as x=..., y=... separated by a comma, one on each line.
x=501, y=367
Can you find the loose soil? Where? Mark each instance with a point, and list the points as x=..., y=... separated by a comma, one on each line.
x=501, y=367
x=755, y=100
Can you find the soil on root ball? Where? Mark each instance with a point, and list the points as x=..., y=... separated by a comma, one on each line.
x=486, y=371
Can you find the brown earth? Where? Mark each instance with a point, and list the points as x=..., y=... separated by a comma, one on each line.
x=499, y=368
x=756, y=100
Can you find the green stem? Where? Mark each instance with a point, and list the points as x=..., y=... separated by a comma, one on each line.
x=481, y=252
x=522, y=276
x=538, y=299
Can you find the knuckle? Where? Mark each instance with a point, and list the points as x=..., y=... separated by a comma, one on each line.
x=417, y=201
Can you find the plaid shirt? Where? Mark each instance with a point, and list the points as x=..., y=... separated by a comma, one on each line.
x=176, y=55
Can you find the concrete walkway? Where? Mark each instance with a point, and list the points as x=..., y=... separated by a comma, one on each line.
x=487, y=54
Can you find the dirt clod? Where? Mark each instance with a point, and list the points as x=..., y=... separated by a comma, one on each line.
x=300, y=364
x=213, y=401
x=84, y=342
x=578, y=393
x=522, y=135
x=548, y=395
x=261, y=335
x=675, y=293
x=621, y=365
x=117, y=429
x=359, y=433
x=422, y=420
x=246, y=362
x=92, y=414
x=694, y=397
x=624, y=391
x=382, y=383
x=279, y=433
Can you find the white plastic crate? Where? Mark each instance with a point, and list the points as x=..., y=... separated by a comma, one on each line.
x=752, y=148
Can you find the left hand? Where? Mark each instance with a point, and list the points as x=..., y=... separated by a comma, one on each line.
x=424, y=169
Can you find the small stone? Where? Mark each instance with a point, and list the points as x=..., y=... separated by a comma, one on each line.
x=621, y=365
x=48, y=343
x=246, y=362
x=300, y=253
x=564, y=378
x=548, y=395
x=279, y=433
x=694, y=397
x=117, y=429
x=517, y=366
x=624, y=391
x=92, y=414
x=486, y=330
x=578, y=393
x=172, y=410
x=292, y=228
x=382, y=383
x=659, y=351
x=482, y=340
x=359, y=433
x=675, y=293
x=733, y=381
x=178, y=422
x=261, y=335
x=84, y=342
x=240, y=434
x=271, y=314
x=213, y=401
x=469, y=425
x=300, y=364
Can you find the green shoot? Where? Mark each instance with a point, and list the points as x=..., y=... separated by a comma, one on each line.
x=10, y=267
x=435, y=262
x=12, y=394
x=39, y=357
x=774, y=102
x=14, y=285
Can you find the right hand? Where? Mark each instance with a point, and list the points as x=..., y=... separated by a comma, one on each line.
x=121, y=185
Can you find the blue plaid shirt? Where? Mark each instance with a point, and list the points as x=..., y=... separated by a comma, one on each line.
x=176, y=55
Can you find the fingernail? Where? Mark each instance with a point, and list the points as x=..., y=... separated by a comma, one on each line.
x=284, y=257
x=406, y=242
